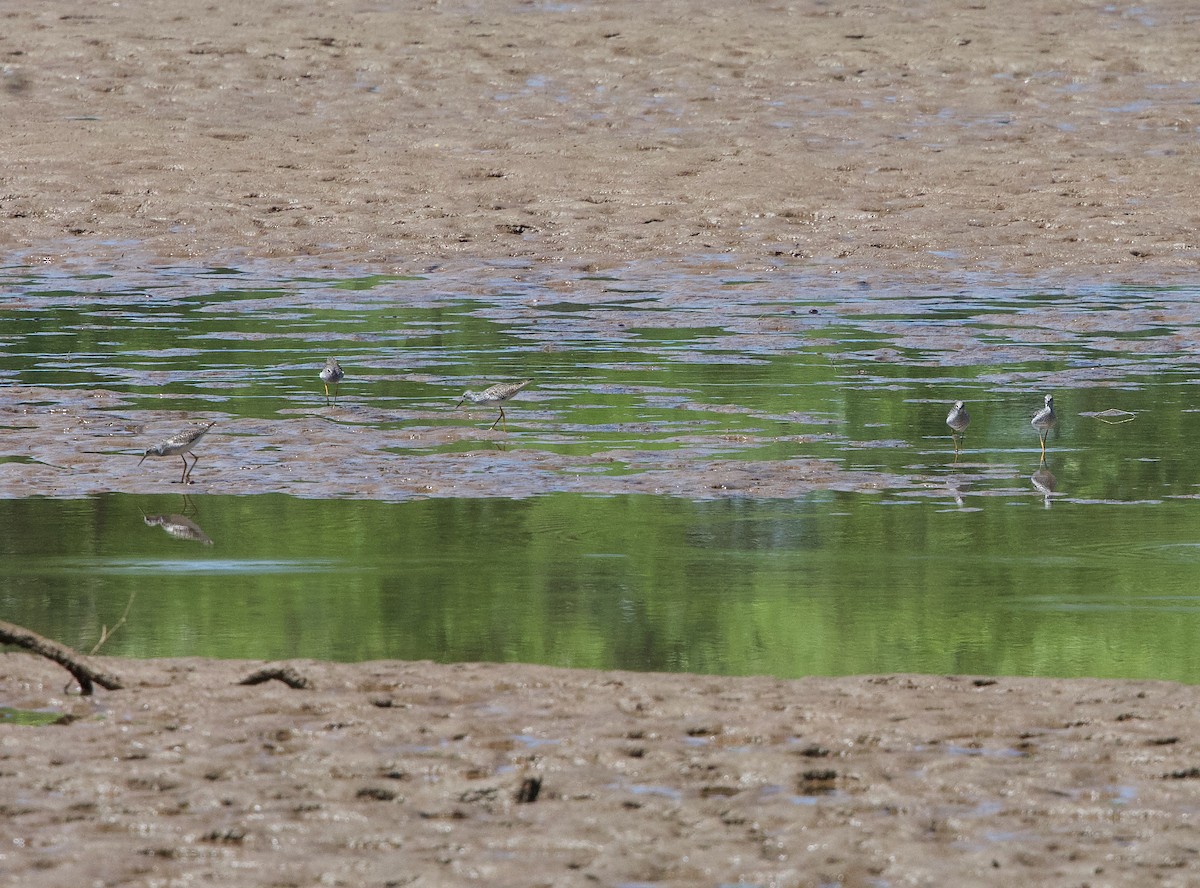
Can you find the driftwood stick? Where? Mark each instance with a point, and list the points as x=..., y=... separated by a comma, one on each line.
x=11, y=633
x=285, y=674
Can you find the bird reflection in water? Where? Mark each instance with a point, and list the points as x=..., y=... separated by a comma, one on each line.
x=1044, y=482
x=179, y=526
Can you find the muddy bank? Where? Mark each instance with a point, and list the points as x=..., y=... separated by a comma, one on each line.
x=410, y=774
x=849, y=138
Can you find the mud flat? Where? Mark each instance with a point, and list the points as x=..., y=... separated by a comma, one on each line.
x=832, y=137
x=391, y=773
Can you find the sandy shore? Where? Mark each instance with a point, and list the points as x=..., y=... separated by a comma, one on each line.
x=1049, y=139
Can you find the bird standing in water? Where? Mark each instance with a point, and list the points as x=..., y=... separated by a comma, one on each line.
x=958, y=419
x=495, y=394
x=1044, y=420
x=332, y=375
x=178, y=445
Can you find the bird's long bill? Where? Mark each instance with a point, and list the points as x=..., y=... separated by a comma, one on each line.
x=460, y=403
x=143, y=459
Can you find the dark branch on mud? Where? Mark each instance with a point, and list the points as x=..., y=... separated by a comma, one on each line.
x=10, y=633
x=285, y=674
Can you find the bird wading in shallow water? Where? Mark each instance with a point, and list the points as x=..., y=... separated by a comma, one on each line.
x=495, y=394
x=178, y=445
x=1044, y=420
x=331, y=376
x=958, y=419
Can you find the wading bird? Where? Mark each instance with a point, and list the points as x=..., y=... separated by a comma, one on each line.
x=958, y=419
x=331, y=376
x=1044, y=420
x=178, y=445
x=495, y=394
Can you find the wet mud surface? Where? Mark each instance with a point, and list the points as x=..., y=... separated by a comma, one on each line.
x=413, y=773
x=934, y=137
x=69, y=450
x=396, y=430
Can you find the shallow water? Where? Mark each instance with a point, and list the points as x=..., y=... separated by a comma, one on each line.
x=707, y=474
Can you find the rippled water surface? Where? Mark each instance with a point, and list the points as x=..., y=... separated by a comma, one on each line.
x=707, y=473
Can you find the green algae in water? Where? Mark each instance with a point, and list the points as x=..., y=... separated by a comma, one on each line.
x=28, y=717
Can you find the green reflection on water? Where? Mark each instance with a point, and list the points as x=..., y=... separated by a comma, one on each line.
x=833, y=584
x=28, y=717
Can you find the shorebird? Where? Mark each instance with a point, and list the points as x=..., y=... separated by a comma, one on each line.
x=494, y=394
x=958, y=419
x=332, y=375
x=1044, y=420
x=178, y=445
